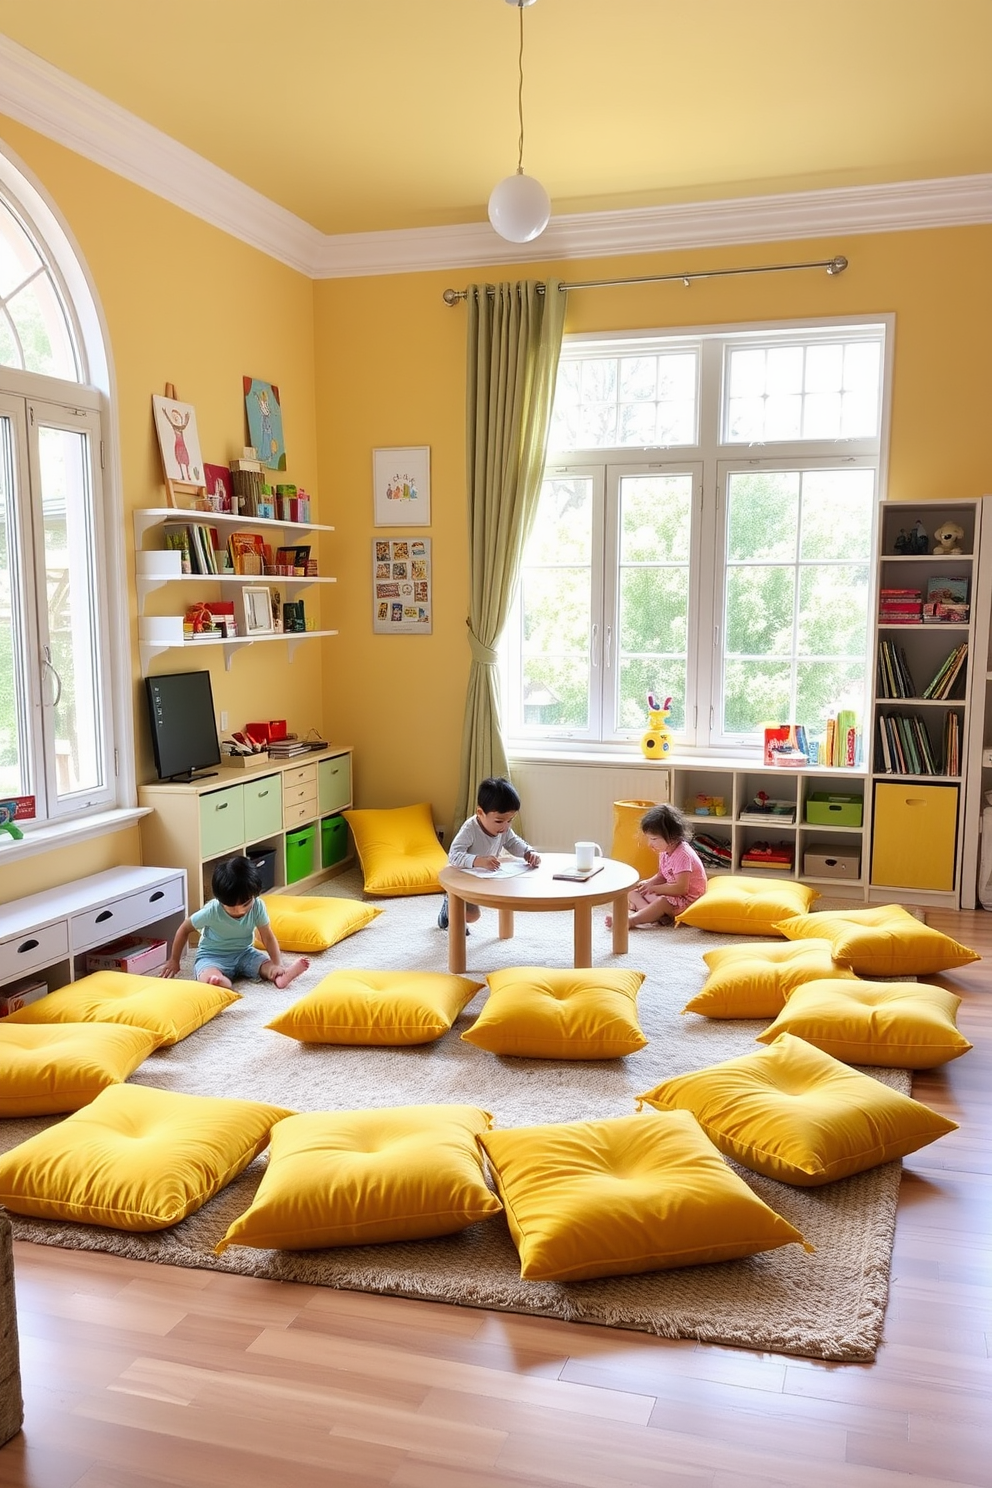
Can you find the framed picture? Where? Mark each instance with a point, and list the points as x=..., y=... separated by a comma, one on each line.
x=256, y=603
x=175, y=425
x=401, y=486
x=264, y=412
x=401, y=586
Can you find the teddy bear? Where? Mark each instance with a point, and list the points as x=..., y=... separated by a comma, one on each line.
x=948, y=538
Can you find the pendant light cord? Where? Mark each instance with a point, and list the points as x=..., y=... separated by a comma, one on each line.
x=520, y=91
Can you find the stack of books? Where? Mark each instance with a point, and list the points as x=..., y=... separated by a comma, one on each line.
x=905, y=745
x=762, y=809
x=900, y=607
x=287, y=748
x=841, y=745
x=776, y=855
x=946, y=601
x=712, y=852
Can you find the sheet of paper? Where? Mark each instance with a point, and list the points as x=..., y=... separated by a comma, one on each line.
x=508, y=869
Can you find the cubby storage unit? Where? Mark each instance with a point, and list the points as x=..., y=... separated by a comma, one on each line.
x=195, y=824
x=48, y=935
x=976, y=872
x=157, y=566
x=919, y=843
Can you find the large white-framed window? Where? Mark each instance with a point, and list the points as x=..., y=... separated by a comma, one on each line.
x=60, y=681
x=705, y=531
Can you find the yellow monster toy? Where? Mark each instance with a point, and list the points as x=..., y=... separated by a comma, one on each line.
x=656, y=743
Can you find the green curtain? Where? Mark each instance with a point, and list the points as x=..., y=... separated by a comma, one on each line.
x=514, y=341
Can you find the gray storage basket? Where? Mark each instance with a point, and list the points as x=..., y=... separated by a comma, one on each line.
x=11, y=1405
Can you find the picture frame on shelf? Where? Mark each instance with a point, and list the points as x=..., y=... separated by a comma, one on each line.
x=179, y=445
x=256, y=604
x=401, y=486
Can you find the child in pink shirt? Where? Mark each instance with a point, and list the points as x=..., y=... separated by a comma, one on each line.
x=681, y=877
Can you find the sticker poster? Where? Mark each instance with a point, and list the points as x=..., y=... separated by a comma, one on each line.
x=401, y=585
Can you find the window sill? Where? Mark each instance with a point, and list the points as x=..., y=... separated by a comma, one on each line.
x=48, y=836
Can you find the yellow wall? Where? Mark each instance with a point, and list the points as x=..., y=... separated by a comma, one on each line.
x=187, y=304
x=390, y=371
x=380, y=361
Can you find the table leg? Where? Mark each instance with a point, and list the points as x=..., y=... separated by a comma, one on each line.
x=456, y=933
x=505, y=923
x=621, y=933
x=583, y=933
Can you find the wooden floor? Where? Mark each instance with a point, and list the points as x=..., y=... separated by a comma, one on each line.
x=137, y=1376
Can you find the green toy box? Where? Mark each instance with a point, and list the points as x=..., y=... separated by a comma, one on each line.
x=333, y=840
x=300, y=853
x=824, y=809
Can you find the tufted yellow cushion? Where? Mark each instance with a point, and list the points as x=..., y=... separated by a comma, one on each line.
x=571, y=1014
x=887, y=941
x=135, y=1158
x=367, y=1177
x=754, y=981
x=904, y=1025
x=377, y=1007
x=169, y=1009
x=795, y=1114
x=625, y=1194
x=736, y=905
x=50, y=1067
x=398, y=850
x=306, y=925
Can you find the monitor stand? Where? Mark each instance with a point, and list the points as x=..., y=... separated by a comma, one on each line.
x=187, y=777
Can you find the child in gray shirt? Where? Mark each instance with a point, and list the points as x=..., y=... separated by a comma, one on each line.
x=479, y=841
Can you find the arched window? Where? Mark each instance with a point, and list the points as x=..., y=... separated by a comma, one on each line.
x=57, y=727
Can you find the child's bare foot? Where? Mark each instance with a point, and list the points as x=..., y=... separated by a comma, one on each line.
x=287, y=974
x=215, y=979
x=609, y=922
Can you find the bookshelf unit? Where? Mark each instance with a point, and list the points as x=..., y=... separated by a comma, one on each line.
x=921, y=725
x=157, y=566
x=976, y=883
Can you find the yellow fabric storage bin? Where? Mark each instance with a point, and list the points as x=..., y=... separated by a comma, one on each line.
x=914, y=835
x=628, y=843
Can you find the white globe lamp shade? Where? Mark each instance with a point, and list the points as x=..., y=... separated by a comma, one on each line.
x=519, y=208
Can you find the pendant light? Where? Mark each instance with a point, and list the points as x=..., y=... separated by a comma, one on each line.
x=519, y=207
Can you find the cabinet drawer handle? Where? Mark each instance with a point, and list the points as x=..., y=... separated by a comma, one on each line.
x=158, y=894
x=223, y=806
x=105, y=914
x=262, y=793
x=29, y=945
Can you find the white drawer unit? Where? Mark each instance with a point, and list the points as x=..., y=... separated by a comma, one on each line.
x=49, y=933
x=196, y=825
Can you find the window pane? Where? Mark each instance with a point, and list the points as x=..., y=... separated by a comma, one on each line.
x=42, y=330
x=555, y=606
x=19, y=258
x=653, y=595
x=825, y=687
x=760, y=606
x=556, y=693
x=763, y=515
x=655, y=518
x=70, y=576
x=837, y=512
x=13, y=774
x=833, y=610
x=640, y=675
x=813, y=390
x=755, y=693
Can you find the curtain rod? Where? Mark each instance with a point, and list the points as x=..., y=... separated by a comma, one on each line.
x=832, y=265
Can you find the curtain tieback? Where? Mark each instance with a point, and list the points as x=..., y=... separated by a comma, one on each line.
x=484, y=655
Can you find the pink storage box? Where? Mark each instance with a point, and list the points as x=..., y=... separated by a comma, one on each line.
x=131, y=953
x=18, y=994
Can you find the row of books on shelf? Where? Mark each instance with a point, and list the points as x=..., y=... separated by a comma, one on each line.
x=943, y=600
x=762, y=855
x=896, y=681
x=203, y=551
x=839, y=748
x=907, y=749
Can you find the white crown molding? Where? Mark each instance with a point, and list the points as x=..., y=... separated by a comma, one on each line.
x=50, y=101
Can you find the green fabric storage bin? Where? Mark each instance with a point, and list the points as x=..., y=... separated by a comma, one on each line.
x=825, y=809
x=333, y=840
x=300, y=853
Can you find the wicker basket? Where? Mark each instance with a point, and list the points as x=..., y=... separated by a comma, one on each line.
x=11, y=1405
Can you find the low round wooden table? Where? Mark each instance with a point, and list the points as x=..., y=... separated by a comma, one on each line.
x=538, y=889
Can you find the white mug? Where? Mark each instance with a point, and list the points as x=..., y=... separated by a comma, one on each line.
x=584, y=854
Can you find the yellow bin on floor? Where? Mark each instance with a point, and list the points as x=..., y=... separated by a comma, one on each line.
x=628, y=842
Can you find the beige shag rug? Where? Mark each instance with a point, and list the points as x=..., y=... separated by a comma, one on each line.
x=829, y=1305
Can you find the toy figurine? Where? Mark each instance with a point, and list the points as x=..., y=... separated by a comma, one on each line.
x=656, y=742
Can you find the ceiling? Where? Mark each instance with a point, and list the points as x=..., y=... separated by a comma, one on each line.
x=364, y=115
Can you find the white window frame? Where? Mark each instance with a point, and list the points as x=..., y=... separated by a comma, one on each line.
x=714, y=457
x=91, y=813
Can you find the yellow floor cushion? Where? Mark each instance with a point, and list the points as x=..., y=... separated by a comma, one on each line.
x=887, y=941
x=46, y=1068
x=169, y=1008
x=577, y=1013
x=755, y=981
x=306, y=924
x=398, y=850
x=377, y=1007
x=625, y=1194
x=796, y=1114
x=736, y=905
x=135, y=1158
x=368, y=1177
x=905, y=1025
